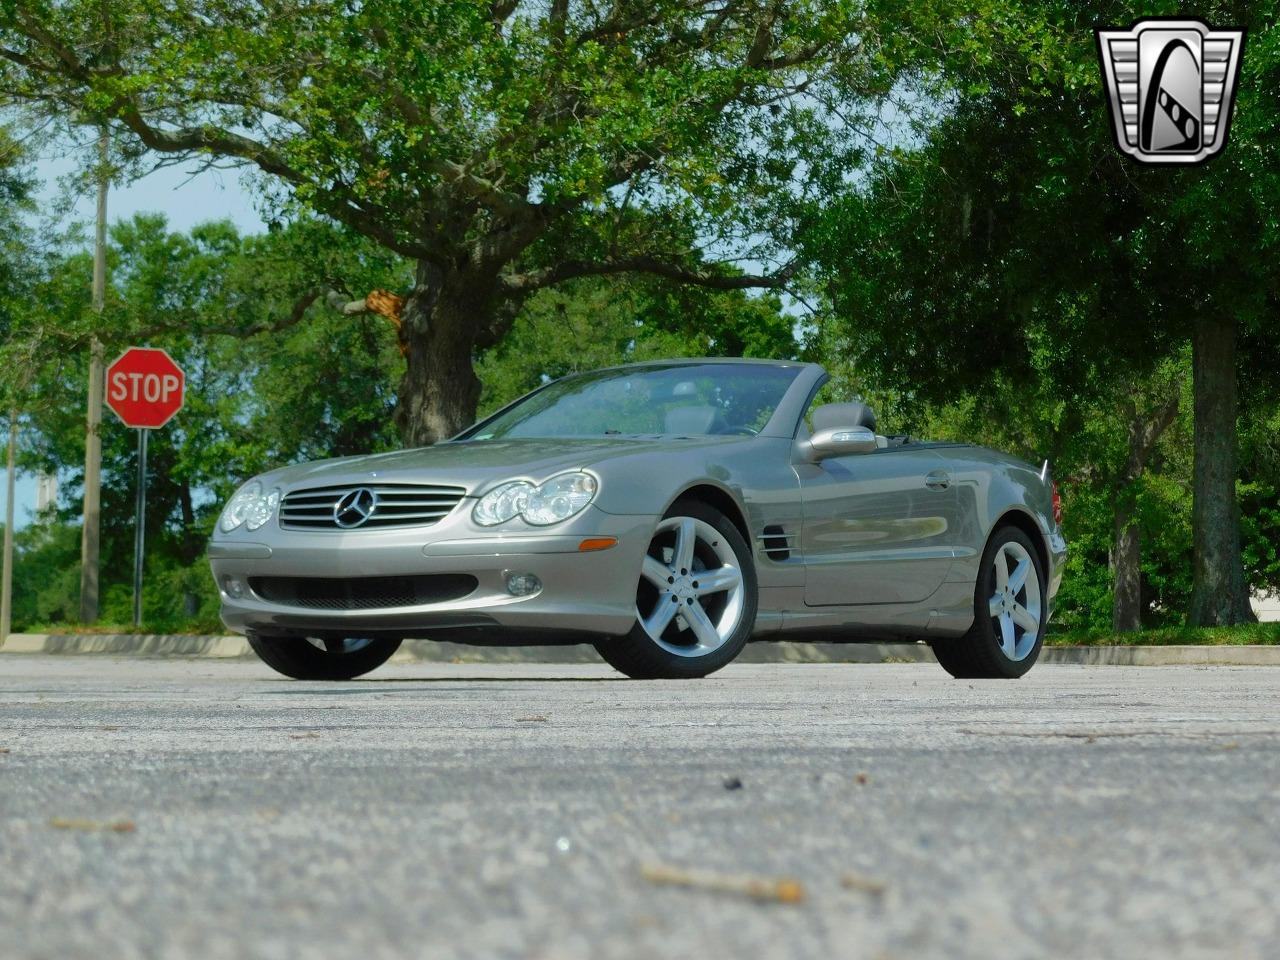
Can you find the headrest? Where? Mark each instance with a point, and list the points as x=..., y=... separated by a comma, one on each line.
x=833, y=415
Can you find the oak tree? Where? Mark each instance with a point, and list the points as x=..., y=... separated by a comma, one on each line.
x=504, y=147
x=1017, y=248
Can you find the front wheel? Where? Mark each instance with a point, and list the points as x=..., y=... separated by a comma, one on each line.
x=309, y=658
x=695, y=601
x=1010, y=611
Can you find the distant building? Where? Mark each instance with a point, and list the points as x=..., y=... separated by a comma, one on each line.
x=46, y=492
x=1267, y=607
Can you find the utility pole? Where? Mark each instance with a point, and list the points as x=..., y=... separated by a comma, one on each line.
x=6, y=584
x=89, y=534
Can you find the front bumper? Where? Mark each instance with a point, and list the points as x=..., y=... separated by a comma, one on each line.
x=582, y=593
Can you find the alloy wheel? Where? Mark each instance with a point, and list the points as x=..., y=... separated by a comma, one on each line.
x=1015, y=605
x=690, y=597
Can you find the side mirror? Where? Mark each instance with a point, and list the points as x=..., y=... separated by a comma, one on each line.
x=841, y=441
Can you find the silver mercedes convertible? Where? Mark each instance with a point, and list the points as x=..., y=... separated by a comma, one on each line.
x=664, y=512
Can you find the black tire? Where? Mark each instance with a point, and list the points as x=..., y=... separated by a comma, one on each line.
x=978, y=654
x=640, y=658
x=297, y=657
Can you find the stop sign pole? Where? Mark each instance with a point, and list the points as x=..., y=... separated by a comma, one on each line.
x=139, y=524
x=145, y=388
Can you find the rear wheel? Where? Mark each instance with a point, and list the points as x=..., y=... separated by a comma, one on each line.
x=695, y=600
x=309, y=658
x=1010, y=610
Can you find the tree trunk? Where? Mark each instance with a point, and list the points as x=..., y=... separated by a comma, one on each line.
x=442, y=321
x=1219, y=596
x=1126, y=608
x=1145, y=429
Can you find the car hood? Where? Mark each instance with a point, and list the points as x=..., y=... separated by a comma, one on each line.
x=476, y=465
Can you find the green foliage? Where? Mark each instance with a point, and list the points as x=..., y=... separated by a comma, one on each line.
x=267, y=387
x=263, y=388
x=1015, y=280
x=1259, y=490
x=46, y=574
x=505, y=147
x=996, y=271
x=177, y=597
x=18, y=260
x=1084, y=599
x=1018, y=245
x=427, y=124
x=601, y=322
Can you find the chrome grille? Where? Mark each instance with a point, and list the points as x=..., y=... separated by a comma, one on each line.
x=397, y=505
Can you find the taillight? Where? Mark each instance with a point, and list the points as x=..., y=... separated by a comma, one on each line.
x=1057, y=504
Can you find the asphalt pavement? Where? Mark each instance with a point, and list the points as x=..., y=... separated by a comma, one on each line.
x=170, y=808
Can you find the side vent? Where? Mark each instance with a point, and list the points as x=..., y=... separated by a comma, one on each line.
x=776, y=542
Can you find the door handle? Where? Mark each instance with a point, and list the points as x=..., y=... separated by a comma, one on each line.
x=938, y=480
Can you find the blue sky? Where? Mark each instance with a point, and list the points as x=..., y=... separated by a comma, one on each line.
x=185, y=199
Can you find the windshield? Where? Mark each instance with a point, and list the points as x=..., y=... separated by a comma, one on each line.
x=698, y=399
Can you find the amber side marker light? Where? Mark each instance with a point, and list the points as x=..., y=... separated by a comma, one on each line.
x=596, y=543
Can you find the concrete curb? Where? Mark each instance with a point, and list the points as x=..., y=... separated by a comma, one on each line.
x=1238, y=655
x=230, y=647
x=146, y=645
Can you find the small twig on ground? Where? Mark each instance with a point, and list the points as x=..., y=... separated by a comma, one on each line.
x=782, y=890
x=865, y=884
x=119, y=826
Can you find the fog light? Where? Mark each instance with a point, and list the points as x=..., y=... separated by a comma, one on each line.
x=522, y=584
x=233, y=587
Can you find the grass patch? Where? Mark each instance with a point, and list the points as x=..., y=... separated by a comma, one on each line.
x=124, y=629
x=1252, y=633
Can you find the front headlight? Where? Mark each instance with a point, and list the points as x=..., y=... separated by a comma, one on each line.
x=250, y=506
x=502, y=503
x=557, y=499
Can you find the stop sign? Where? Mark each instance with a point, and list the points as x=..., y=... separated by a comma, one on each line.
x=145, y=387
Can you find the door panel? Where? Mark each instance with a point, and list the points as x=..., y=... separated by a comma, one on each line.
x=878, y=527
